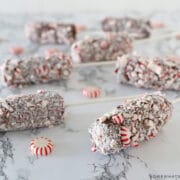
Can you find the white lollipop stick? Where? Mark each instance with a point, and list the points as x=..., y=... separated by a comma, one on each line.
x=110, y=99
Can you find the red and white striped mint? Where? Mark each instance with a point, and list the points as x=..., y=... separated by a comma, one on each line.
x=125, y=136
x=117, y=119
x=41, y=146
x=134, y=140
x=16, y=50
x=91, y=92
x=43, y=70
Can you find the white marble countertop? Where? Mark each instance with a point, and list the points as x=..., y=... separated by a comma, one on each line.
x=21, y=6
x=72, y=158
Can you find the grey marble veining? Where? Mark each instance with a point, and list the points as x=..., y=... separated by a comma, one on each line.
x=72, y=158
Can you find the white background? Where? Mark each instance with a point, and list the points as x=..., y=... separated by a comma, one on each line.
x=16, y=6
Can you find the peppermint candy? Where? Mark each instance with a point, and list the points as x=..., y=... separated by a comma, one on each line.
x=42, y=71
x=134, y=140
x=17, y=50
x=117, y=119
x=125, y=136
x=91, y=92
x=41, y=146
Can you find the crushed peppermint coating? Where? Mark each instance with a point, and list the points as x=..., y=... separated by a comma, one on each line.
x=101, y=48
x=50, y=32
x=35, y=70
x=136, y=28
x=42, y=109
x=155, y=73
x=41, y=146
x=129, y=124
